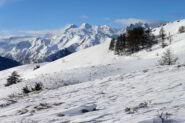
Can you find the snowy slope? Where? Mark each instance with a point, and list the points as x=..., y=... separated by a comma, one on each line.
x=37, y=47
x=161, y=87
x=171, y=27
x=95, y=86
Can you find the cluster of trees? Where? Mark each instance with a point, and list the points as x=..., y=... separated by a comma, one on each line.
x=132, y=41
x=138, y=38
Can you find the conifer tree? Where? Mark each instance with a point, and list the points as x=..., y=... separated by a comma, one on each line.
x=168, y=58
x=112, y=44
x=162, y=36
x=14, y=78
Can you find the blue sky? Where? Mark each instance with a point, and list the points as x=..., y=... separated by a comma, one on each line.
x=55, y=14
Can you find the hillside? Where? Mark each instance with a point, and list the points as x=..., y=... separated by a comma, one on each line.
x=6, y=63
x=96, y=86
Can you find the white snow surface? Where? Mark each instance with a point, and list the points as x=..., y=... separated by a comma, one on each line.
x=96, y=86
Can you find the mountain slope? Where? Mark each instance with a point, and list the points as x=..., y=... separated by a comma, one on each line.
x=6, y=63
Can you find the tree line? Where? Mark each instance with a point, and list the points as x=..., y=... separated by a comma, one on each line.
x=132, y=41
x=138, y=38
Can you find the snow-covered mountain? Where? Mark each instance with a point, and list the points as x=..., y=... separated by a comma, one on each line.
x=54, y=44
x=96, y=86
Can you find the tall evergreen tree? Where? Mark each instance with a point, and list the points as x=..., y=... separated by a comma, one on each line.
x=112, y=44
x=162, y=36
x=170, y=38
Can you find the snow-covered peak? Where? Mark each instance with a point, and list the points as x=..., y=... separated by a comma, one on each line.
x=70, y=26
x=85, y=26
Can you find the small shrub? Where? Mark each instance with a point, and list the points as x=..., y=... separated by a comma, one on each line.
x=22, y=111
x=84, y=110
x=37, y=87
x=14, y=78
x=87, y=110
x=143, y=105
x=129, y=110
x=36, y=67
x=60, y=115
x=42, y=106
x=26, y=90
x=164, y=117
x=132, y=110
x=182, y=29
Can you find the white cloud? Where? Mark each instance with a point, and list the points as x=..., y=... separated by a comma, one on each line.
x=84, y=17
x=129, y=21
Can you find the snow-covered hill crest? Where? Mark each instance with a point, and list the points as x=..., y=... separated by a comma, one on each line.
x=171, y=27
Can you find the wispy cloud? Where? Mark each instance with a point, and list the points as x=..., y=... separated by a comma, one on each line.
x=84, y=17
x=178, y=15
x=107, y=18
x=4, y=2
x=129, y=21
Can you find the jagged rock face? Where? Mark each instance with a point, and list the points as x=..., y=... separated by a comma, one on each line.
x=38, y=48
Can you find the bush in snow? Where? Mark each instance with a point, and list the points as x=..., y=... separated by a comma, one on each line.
x=36, y=67
x=42, y=106
x=132, y=110
x=37, y=87
x=26, y=90
x=165, y=117
x=14, y=78
x=182, y=29
x=168, y=58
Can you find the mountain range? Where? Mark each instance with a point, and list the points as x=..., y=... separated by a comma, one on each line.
x=53, y=45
